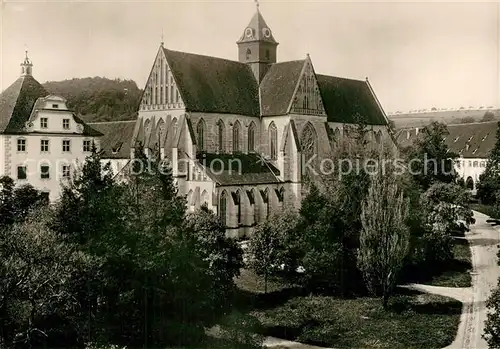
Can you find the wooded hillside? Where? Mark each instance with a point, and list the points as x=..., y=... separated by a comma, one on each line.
x=99, y=99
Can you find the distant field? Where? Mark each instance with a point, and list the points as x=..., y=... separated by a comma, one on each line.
x=448, y=117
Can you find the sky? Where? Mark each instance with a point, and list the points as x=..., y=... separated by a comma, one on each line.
x=416, y=55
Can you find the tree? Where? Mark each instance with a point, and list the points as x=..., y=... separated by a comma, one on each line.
x=441, y=209
x=430, y=160
x=36, y=267
x=489, y=180
x=384, y=239
x=488, y=116
x=467, y=120
x=492, y=324
x=272, y=246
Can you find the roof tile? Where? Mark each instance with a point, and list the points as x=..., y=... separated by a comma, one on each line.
x=17, y=101
x=117, y=138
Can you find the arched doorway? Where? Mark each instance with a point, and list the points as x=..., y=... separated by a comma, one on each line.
x=469, y=183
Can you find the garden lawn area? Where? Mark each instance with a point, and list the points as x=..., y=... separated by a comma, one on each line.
x=486, y=209
x=453, y=273
x=457, y=272
x=412, y=321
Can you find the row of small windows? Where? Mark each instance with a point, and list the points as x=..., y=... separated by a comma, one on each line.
x=471, y=163
x=308, y=138
x=44, y=123
x=201, y=129
x=22, y=172
x=249, y=54
x=44, y=145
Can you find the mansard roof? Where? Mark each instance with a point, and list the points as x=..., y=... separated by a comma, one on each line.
x=278, y=86
x=17, y=101
x=349, y=101
x=473, y=140
x=116, y=142
x=210, y=84
x=225, y=169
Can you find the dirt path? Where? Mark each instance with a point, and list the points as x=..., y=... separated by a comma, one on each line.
x=483, y=239
x=277, y=343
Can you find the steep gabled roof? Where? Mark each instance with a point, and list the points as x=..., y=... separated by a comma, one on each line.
x=116, y=142
x=346, y=100
x=210, y=84
x=17, y=101
x=278, y=86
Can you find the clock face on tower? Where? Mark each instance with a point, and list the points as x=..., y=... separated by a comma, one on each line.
x=266, y=32
x=249, y=32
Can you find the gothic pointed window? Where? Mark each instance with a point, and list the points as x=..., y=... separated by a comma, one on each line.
x=308, y=143
x=147, y=127
x=267, y=55
x=273, y=141
x=200, y=131
x=221, y=129
x=249, y=54
x=160, y=129
x=238, y=207
x=223, y=208
x=251, y=137
x=236, y=136
x=174, y=128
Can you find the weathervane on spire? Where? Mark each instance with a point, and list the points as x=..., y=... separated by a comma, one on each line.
x=257, y=4
x=162, y=36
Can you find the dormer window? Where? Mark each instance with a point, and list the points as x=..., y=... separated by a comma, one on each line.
x=66, y=124
x=116, y=148
x=470, y=138
x=456, y=139
x=44, y=122
x=55, y=106
x=484, y=138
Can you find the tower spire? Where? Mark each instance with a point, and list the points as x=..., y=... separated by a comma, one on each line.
x=26, y=65
x=257, y=46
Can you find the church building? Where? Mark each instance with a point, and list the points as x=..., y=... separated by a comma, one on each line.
x=241, y=134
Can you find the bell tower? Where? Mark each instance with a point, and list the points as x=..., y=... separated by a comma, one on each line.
x=257, y=46
x=26, y=66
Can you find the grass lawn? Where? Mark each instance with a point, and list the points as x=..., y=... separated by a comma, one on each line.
x=454, y=273
x=486, y=209
x=457, y=273
x=413, y=320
